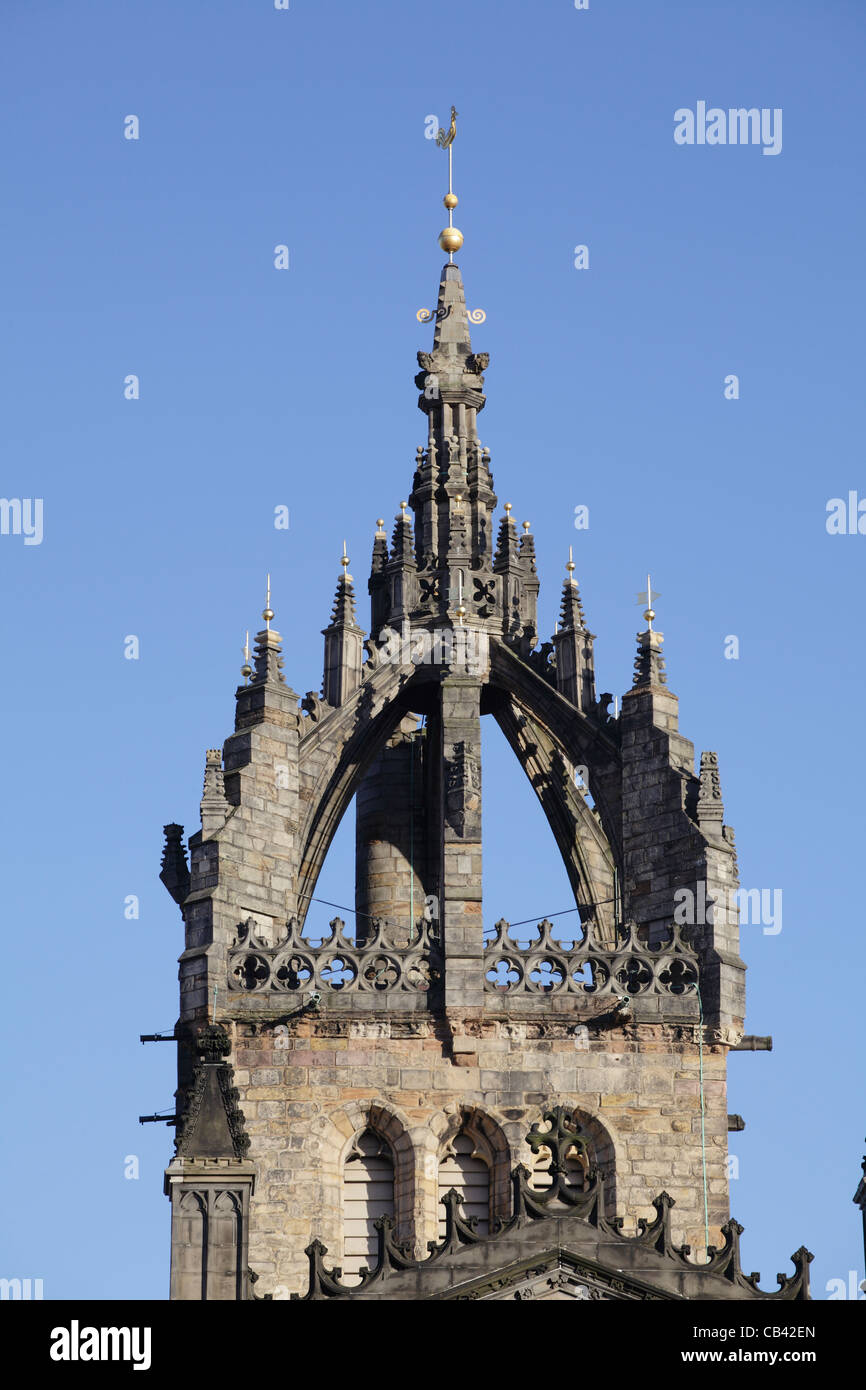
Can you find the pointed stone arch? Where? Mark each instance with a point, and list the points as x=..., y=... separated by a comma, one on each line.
x=333, y=756
x=489, y=1144
x=339, y=1130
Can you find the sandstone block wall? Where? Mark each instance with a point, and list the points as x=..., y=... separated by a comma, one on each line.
x=308, y=1087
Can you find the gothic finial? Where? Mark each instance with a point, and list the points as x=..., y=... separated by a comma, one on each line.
x=246, y=669
x=344, y=561
x=267, y=612
x=570, y=565
x=649, y=665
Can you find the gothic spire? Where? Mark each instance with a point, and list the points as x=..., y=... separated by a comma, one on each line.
x=377, y=585
x=573, y=644
x=343, y=642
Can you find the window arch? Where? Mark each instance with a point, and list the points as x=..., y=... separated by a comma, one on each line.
x=462, y=1168
x=368, y=1192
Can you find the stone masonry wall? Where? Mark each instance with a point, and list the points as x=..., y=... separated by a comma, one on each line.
x=309, y=1086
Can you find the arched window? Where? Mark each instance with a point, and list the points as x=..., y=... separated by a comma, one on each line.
x=368, y=1192
x=462, y=1169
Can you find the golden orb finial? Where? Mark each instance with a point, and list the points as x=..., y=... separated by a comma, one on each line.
x=570, y=565
x=267, y=611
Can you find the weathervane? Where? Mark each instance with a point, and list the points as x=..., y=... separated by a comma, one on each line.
x=648, y=598
x=450, y=238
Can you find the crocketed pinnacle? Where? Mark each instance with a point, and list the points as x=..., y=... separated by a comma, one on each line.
x=527, y=548
x=506, y=543
x=380, y=549
x=403, y=544
x=649, y=664
x=571, y=614
x=710, y=804
x=343, y=614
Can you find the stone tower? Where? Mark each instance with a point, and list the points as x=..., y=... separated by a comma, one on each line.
x=420, y=1105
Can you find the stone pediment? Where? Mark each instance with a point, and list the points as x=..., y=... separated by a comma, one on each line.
x=555, y=1275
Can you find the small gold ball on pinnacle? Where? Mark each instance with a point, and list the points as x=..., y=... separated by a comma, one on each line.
x=450, y=201
x=649, y=614
x=508, y=508
x=526, y=525
x=380, y=522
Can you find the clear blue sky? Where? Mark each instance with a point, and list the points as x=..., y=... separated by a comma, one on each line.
x=261, y=387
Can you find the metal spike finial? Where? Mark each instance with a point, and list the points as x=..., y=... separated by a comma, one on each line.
x=570, y=565
x=344, y=561
x=267, y=611
x=246, y=669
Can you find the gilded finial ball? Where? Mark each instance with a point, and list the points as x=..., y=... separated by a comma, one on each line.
x=450, y=201
x=450, y=239
x=246, y=670
x=268, y=614
x=527, y=525
x=649, y=614
x=380, y=522
x=508, y=508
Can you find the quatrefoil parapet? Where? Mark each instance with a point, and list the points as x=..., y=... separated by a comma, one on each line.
x=547, y=964
x=389, y=957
